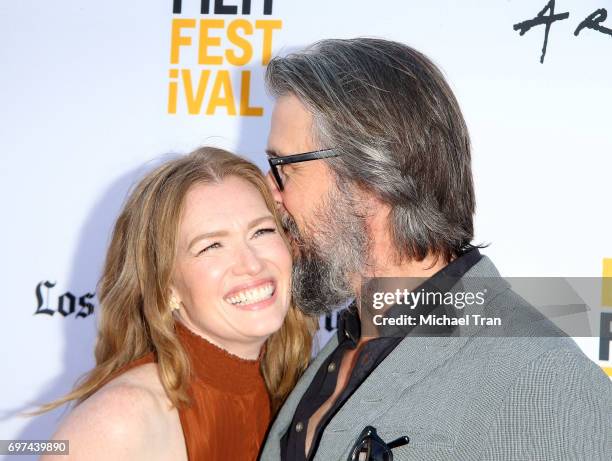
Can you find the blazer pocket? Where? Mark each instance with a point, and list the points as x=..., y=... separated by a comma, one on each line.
x=419, y=437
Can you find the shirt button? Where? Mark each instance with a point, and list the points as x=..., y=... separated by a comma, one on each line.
x=331, y=367
x=299, y=427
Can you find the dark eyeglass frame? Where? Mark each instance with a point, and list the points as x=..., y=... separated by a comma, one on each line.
x=275, y=162
x=375, y=448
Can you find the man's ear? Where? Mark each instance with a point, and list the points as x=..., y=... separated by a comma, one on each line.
x=372, y=206
x=376, y=214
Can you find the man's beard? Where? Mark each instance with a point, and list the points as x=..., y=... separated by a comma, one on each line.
x=330, y=252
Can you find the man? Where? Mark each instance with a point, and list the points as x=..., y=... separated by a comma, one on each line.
x=370, y=164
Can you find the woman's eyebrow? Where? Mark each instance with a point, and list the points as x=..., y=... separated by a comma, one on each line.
x=259, y=220
x=224, y=233
x=206, y=235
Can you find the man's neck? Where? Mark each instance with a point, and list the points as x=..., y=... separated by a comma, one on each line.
x=413, y=269
x=422, y=269
x=383, y=260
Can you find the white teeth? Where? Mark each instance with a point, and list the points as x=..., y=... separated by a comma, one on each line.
x=252, y=295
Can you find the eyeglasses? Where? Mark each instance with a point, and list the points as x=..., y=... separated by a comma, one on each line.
x=276, y=163
x=370, y=447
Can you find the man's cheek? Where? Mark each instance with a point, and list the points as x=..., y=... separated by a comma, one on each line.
x=289, y=224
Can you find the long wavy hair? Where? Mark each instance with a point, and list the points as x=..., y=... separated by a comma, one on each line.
x=134, y=291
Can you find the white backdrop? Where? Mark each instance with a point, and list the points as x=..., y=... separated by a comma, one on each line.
x=85, y=92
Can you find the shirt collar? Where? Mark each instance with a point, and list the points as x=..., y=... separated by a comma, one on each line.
x=349, y=325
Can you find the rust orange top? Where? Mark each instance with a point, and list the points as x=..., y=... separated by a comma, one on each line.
x=230, y=409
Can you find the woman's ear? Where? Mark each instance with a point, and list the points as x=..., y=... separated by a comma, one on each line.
x=174, y=300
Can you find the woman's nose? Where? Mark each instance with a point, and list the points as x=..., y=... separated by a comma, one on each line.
x=248, y=261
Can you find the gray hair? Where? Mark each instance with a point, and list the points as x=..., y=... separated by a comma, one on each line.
x=399, y=131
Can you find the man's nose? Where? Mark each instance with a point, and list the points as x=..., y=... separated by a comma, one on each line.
x=276, y=194
x=248, y=262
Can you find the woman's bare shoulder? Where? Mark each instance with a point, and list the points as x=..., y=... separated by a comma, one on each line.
x=128, y=418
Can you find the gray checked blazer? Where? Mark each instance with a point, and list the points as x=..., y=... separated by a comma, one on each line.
x=473, y=397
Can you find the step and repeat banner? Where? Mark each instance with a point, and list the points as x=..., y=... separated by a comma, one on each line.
x=94, y=94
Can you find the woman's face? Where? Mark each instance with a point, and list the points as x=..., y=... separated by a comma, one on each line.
x=232, y=271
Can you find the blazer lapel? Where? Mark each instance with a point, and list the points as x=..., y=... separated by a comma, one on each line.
x=413, y=359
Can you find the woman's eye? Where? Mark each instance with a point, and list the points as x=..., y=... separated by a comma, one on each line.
x=210, y=247
x=267, y=230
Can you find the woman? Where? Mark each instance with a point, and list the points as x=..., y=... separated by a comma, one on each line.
x=198, y=342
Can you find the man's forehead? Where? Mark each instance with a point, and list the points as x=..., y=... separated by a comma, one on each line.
x=291, y=127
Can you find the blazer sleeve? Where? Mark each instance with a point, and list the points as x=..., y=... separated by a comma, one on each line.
x=559, y=407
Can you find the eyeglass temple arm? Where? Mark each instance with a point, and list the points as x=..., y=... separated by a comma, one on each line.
x=400, y=441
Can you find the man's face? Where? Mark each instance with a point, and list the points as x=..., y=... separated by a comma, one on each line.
x=306, y=183
x=327, y=233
